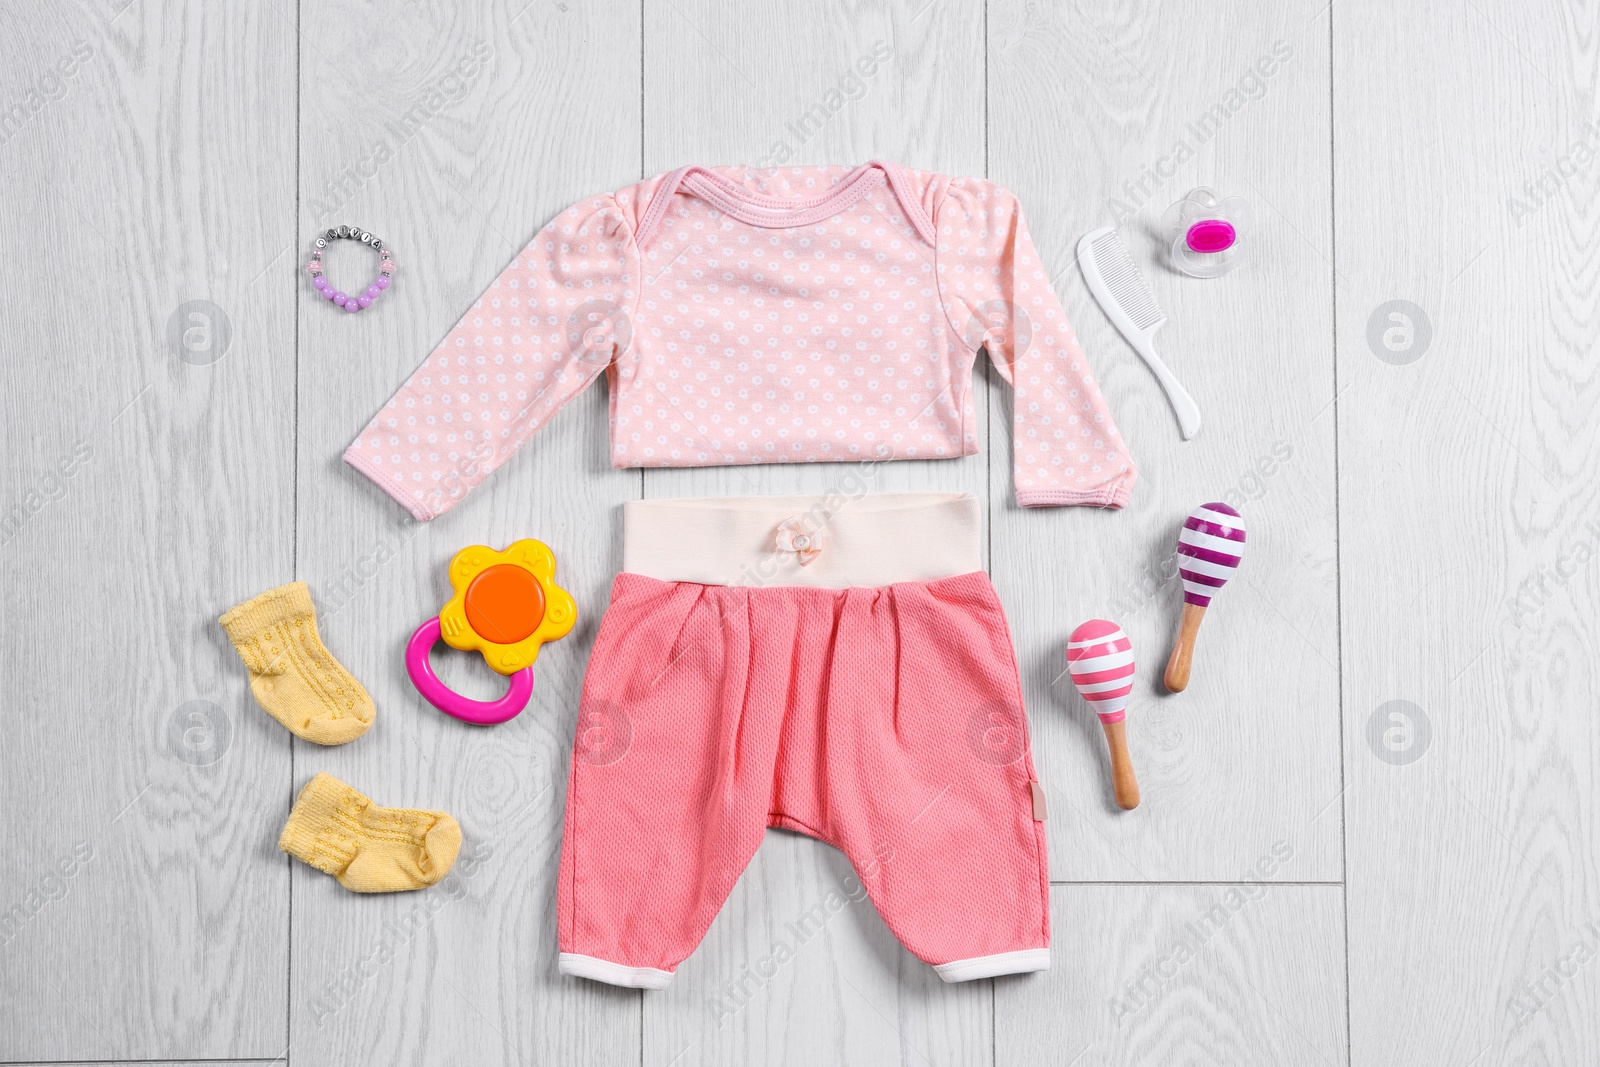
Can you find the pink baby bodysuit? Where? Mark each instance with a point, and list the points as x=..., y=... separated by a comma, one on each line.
x=798, y=315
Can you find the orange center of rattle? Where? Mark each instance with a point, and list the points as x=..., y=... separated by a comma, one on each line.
x=504, y=604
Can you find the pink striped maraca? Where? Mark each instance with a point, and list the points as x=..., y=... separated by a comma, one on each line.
x=1100, y=660
x=1210, y=546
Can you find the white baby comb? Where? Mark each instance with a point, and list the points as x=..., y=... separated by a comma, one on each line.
x=1121, y=291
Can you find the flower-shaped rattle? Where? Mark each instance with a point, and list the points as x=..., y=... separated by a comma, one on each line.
x=506, y=605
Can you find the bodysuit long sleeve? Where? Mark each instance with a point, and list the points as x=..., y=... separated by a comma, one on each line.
x=550, y=324
x=1066, y=448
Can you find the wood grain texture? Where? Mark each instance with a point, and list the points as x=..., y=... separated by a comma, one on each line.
x=852, y=994
x=1183, y=975
x=799, y=968
x=1469, y=533
x=921, y=108
x=144, y=911
x=495, y=123
x=1079, y=105
x=1424, y=534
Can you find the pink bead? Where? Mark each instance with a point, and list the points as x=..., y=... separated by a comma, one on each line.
x=364, y=300
x=320, y=282
x=383, y=281
x=351, y=305
x=340, y=299
x=373, y=291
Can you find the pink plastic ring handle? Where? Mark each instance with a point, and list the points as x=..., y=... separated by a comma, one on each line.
x=447, y=700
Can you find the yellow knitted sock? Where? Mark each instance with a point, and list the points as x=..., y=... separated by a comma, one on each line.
x=370, y=849
x=292, y=675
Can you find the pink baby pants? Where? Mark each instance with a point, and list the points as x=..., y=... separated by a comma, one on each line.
x=834, y=666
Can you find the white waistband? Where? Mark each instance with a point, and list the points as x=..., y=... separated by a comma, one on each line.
x=830, y=541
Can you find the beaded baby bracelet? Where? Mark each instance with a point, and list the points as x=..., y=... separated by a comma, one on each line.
x=373, y=291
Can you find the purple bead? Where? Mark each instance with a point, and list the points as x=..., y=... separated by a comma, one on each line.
x=320, y=282
x=351, y=305
x=364, y=300
x=382, y=282
x=327, y=294
x=373, y=291
x=340, y=299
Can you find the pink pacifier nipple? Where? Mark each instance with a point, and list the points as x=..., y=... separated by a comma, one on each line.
x=1210, y=235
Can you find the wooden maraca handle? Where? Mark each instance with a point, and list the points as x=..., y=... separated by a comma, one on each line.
x=1177, y=676
x=1122, y=779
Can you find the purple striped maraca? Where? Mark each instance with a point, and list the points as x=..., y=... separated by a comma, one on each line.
x=1100, y=660
x=1210, y=546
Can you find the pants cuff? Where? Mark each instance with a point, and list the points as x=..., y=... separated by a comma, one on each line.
x=1019, y=962
x=614, y=973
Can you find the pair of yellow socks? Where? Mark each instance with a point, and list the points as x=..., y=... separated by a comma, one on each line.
x=370, y=849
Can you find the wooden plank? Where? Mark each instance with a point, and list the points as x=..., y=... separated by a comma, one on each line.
x=851, y=994
x=1096, y=120
x=815, y=107
x=149, y=919
x=148, y=482
x=493, y=120
x=799, y=968
x=1468, y=464
x=1250, y=973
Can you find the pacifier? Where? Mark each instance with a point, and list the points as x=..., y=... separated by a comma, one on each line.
x=1206, y=235
x=506, y=605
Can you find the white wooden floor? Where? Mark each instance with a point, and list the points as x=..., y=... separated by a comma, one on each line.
x=1318, y=875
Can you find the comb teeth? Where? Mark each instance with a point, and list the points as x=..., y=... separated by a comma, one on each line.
x=1127, y=286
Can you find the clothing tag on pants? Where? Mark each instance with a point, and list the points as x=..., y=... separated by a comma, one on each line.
x=1039, y=812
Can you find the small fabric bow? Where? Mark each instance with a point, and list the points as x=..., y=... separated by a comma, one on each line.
x=804, y=543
